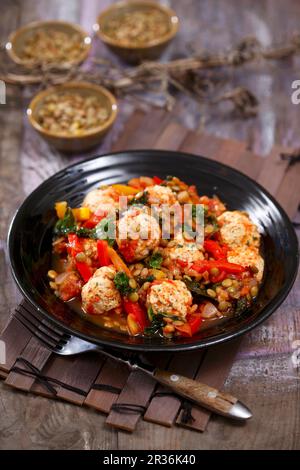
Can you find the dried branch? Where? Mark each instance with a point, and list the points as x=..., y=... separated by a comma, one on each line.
x=245, y=103
x=191, y=75
x=292, y=157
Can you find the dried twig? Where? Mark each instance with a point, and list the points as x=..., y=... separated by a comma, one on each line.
x=191, y=75
x=245, y=103
x=292, y=157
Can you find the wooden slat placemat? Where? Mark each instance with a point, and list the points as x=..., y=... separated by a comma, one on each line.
x=105, y=385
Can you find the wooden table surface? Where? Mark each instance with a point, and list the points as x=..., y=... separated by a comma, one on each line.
x=264, y=375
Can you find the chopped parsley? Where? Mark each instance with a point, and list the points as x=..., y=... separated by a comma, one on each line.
x=121, y=281
x=155, y=260
x=105, y=230
x=142, y=280
x=157, y=323
x=241, y=305
x=198, y=210
x=142, y=200
x=195, y=288
x=68, y=225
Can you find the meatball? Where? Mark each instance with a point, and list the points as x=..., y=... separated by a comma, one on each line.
x=106, y=200
x=99, y=294
x=169, y=297
x=181, y=250
x=68, y=285
x=247, y=256
x=160, y=195
x=237, y=229
x=138, y=234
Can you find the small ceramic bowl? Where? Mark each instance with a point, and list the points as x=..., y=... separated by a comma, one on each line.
x=18, y=38
x=133, y=53
x=88, y=138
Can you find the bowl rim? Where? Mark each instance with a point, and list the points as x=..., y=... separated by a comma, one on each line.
x=9, y=46
x=73, y=84
x=170, y=13
x=198, y=344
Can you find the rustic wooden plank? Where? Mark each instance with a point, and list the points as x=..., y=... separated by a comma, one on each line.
x=37, y=355
x=164, y=409
x=172, y=137
x=137, y=391
x=129, y=129
x=213, y=371
x=3, y=375
x=250, y=164
x=201, y=144
x=148, y=130
x=112, y=374
x=15, y=337
x=273, y=169
x=288, y=194
x=67, y=370
x=81, y=374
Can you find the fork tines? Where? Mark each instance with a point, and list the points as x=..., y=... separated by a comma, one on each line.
x=47, y=333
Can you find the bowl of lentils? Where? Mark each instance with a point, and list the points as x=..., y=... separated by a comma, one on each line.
x=56, y=43
x=137, y=30
x=74, y=116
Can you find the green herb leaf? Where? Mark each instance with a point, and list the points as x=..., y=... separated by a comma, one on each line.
x=105, y=230
x=143, y=199
x=241, y=305
x=142, y=280
x=121, y=281
x=65, y=225
x=195, y=288
x=211, y=220
x=157, y=322
x=156, y=325
x=155, y=260
x=198, y=210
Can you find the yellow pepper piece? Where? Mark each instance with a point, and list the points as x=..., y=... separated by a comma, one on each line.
x=124, y=190
x=118, y=262
x=61, y=208
x=81, y=213
x=158, y=274
x=133, y=327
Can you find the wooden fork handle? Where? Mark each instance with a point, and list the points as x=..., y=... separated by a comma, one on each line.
x=203, y=395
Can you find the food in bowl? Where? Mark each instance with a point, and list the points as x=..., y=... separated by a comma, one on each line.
x=137, y=30
x=49, y=42
x=74, y=116
x=138, y=27
x=71, y=113
x=115, y=263
x=52, y=46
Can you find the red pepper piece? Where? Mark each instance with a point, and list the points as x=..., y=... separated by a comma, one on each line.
x=215, y=249
x=84, y=270
x=206, y=265
x=95, y=219
x=74, y=245
x=184, y=330
x=103, y=256
x=219, y=278
x=135, y=309
x=127, y=249
x=157, y=180
x=195, y=321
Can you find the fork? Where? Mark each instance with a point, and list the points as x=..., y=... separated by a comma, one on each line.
x=64, y=344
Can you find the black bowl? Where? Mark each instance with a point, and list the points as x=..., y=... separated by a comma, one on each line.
x=31, y=232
